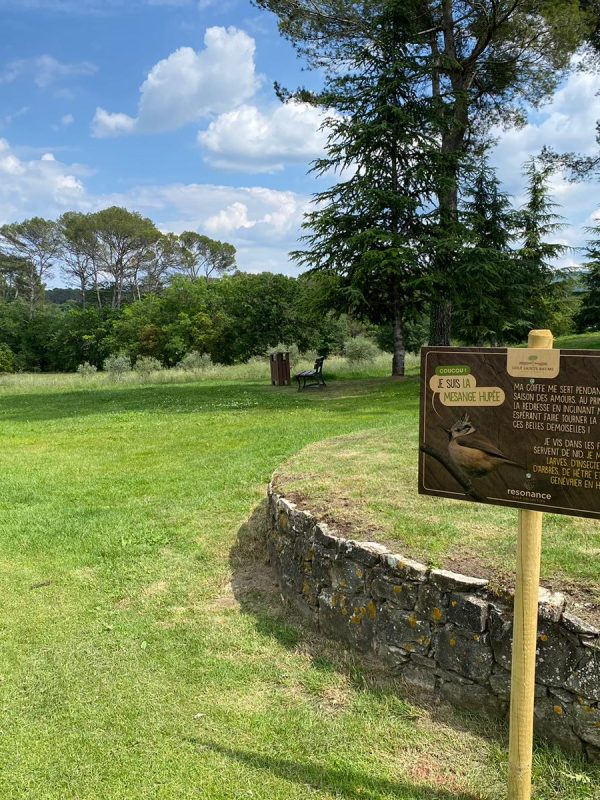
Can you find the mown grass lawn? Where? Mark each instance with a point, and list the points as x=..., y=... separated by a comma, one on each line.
x=141, y=656
x=472, y=538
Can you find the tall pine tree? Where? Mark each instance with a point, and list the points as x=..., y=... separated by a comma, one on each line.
x=537, y=255
x=474, y=63
x=491, y=306
x=367, y=228
x=588, y=317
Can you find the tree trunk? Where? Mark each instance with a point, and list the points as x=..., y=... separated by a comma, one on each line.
x=440, y=321
x=399, y=351
x=32, y=276
x=453, y=138
x=98, y=298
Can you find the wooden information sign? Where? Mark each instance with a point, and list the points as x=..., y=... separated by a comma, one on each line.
x=513, y=427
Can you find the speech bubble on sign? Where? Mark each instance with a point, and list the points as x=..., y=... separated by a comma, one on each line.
x=438, y=383
x=472, y=398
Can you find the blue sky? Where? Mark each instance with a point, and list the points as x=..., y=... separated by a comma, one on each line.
x=167, y=107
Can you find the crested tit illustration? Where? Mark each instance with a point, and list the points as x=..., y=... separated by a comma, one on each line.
x=471, y=452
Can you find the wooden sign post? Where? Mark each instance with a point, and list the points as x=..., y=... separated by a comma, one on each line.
x=516, y=427
x=529, y=549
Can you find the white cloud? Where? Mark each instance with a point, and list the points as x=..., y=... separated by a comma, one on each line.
x=566, y=124
x=41, y=186
x=248, y=139
x=262, y=223
x=189, y=85
x=44, y=70
x=64, y=122
x=7, y=119
x=227, y=220
x=107, y=124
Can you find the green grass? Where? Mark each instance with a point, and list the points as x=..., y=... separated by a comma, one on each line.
x=384, y=505
x=144, y=652
x=255, y=370
x=579, y=341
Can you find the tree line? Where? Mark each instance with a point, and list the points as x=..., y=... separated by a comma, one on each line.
x=147, y=294
x=231, y=319
x=114, y=247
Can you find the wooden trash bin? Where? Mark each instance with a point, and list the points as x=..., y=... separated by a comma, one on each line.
x=280, y=369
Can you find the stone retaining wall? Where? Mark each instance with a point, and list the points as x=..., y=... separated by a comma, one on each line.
x=442, y=632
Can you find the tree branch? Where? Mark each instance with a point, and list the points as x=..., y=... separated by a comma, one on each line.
x=458, y=476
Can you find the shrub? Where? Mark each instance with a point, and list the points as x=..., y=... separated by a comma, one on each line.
x=7, y=359
x=86, y=370
x=292, y=349
x=360, y=350
x=147, y=364
x=195, y=361
x=117, y=365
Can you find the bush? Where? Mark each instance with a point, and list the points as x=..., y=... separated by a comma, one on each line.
x=195, y=361
x=7, y=359
x=292, y=349
x=360, y=350
x=147, y=364
x=117, y=365
x=86, y=370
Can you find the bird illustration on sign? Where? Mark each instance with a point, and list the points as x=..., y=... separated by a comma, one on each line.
x=472, y=452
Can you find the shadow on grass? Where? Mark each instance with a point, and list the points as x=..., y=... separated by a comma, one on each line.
x=256, y=588
x=351, y=784
x=194, y=398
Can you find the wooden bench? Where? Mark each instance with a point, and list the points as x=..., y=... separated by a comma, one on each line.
x=313, y=376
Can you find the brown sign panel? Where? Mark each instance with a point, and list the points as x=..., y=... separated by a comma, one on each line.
x=512, y=427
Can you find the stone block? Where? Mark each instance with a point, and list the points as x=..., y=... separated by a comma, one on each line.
x=404, y=569
x=553, y=722
x=587, y=723
x=550, y=605
x=347, y=576
x=448, y=581
x=299, y=604
x=592, y=754
x=404, y=630
x=283, y=523
x=501, y=637
x=472, y=697
x=320, y=565
x=419, y=677
x=423, y=661
x=556, y=655
x=309, y=591
x=564, y=697
x=323, y=536
x=349, y=619
x=585, y=677
x=431, y=604
x=395, y=658
x=367, y=554
x=302, y=522
x=470, y=656
x=404, y=595
x=578, y=626
x=468, y=611
x=303, y=549
x=500, y=681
